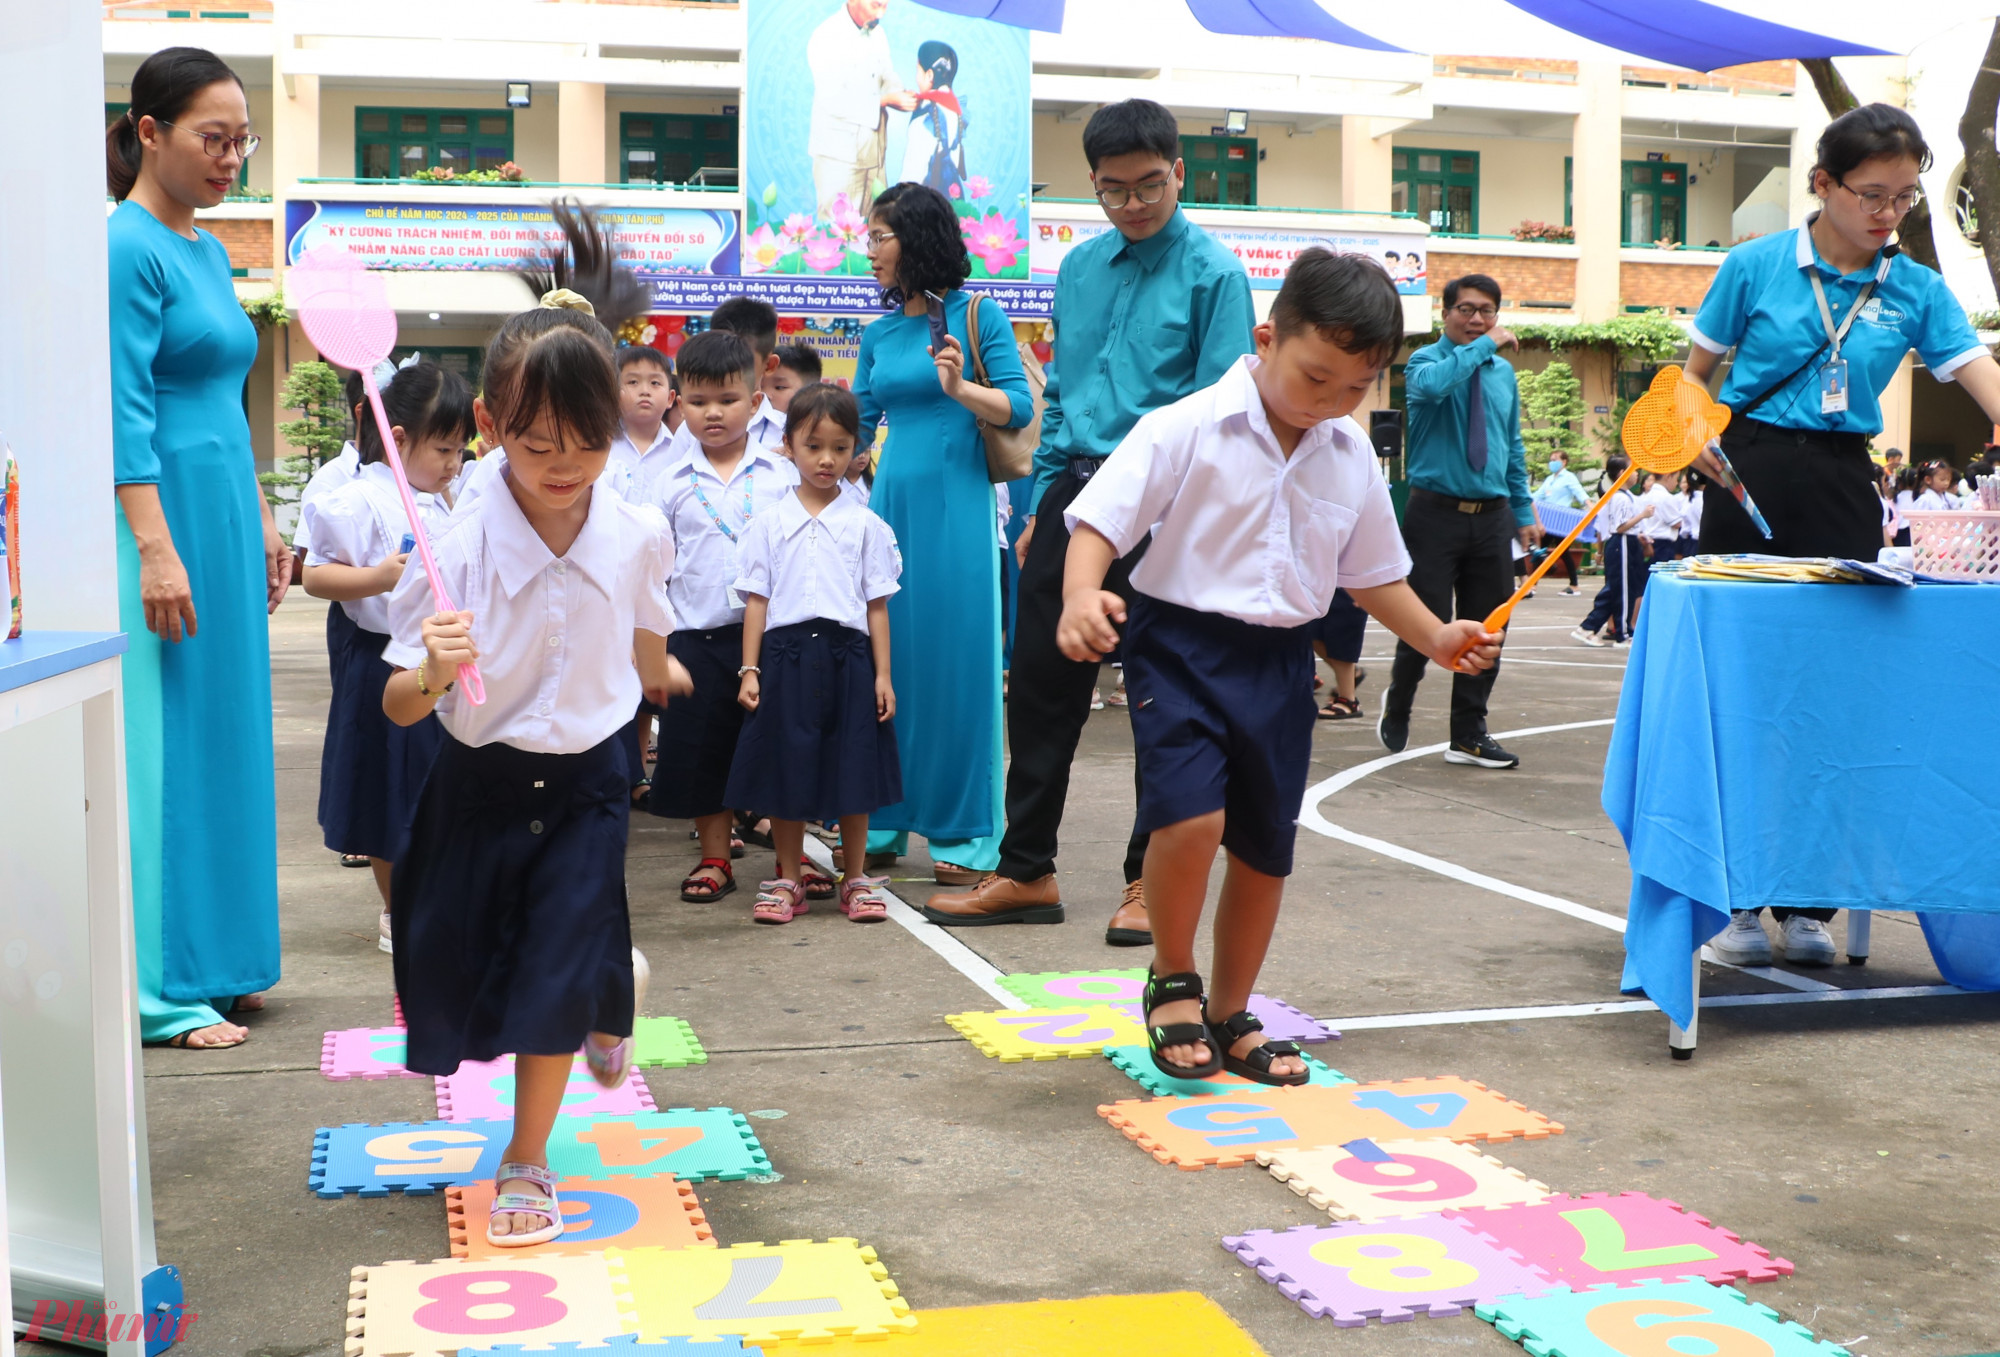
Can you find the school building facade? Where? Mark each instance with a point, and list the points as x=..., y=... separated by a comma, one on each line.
x=1589, y=189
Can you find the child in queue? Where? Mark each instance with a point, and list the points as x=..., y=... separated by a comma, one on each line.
x=1262, y=497
x=815, y=573
x=509, y=906
x=356, y=541
x=711, y=495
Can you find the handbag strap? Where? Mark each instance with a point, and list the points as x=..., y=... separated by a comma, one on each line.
x=972, y=339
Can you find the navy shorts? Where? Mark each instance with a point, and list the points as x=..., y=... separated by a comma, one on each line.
x=1222, y=718
x=1342, y=629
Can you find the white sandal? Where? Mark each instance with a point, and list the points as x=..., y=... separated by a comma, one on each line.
x=542, y=1204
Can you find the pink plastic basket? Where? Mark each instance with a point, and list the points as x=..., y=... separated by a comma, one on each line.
x=1962, y=544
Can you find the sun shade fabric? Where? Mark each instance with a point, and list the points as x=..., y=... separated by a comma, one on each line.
x=1281, y=19
x=1687, y=33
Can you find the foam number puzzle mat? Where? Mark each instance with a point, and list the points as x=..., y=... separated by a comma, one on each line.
x=796, y=1289
x=697, y=1144
x=625, y=1345
x=1048, y=1034
x=665, y=1044
x=481, y=1090
x=1600, y=1238
x=1230, y=1128
x=1371, y=1180
x=414, y=1309
x=1654, y=1319
x=1126, y=988
x=365, y=1053
x=1386, y=1270
x=417, y=1158
x=1137, y=1062
x=1175, y=1324
x=626, y=1213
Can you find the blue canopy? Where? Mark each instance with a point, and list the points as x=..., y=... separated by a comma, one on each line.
x=1692, y=34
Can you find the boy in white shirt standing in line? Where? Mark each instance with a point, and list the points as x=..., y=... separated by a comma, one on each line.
x=640, y=448
x=1262, y=497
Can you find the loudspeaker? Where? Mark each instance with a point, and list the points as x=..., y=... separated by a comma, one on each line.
x=1385, y=431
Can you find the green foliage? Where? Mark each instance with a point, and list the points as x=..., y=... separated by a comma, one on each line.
x=1551, y=408
x=1650, y=335
x=317, y=393
x=265, y=312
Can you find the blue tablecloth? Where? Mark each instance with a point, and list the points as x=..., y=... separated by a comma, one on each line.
x=1812, y=745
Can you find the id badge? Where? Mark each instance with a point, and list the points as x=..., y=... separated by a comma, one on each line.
x=735, y=599
x=1833, y=388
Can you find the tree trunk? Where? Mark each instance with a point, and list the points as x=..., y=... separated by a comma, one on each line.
x=1915, y=233
x=1982, y=161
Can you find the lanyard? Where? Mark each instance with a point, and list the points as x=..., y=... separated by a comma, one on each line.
x=1834, y=336
x=749, y=481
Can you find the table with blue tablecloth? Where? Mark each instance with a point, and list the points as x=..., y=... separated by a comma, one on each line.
x=1824, y=746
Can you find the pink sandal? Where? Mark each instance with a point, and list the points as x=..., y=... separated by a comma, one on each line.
x=859, y=901
x=543, y=1204
x=779, y=902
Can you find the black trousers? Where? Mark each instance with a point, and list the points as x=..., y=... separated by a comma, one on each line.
x=1461, y=557
x=1048, y=698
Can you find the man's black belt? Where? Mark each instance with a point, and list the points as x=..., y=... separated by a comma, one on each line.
x=1452, y=502
x=1083, y=468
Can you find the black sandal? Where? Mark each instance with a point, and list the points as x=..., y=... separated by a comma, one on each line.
x=1256, y=1064
x=1167, y=989
x=746, y=829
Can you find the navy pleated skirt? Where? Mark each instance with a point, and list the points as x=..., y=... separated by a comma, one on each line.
x=813, y=749
x=698, y=733
x=371, y=770
x=509, y=908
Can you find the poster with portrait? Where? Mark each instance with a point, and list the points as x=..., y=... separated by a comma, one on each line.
x=845, y=97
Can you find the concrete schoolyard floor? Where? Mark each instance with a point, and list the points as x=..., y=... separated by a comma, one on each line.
x=1854, y=1138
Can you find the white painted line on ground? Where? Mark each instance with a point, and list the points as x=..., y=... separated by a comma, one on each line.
x=961, y=958
x=1477, y=1015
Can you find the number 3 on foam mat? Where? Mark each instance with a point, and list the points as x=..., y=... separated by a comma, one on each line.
x=1206, y=1121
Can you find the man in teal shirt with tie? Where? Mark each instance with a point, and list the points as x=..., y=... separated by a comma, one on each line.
x=1145, y=314
x=1468, y=474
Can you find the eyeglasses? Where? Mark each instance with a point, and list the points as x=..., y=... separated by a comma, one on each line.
x=876, y=239
x=1875, y=203
x=217, y=146
x=1148, y=193
x=1467, y=311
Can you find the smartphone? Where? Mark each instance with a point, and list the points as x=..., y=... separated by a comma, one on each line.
x=934, y=305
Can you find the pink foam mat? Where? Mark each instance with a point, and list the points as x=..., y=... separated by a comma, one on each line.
x=484, y=1089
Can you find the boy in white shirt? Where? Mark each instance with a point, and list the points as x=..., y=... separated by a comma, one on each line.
x=645, y=395
x=1611, y=612
x=1662, y=530
x=756, y=323
x=710, y=496
x=1262, y=498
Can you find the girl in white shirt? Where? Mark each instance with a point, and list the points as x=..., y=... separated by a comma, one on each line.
x=815, y=572
x=357, y=540
x=510, y=916
x=1938, y=478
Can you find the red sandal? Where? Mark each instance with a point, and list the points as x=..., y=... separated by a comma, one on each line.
x=700, y=889
x=816, y=884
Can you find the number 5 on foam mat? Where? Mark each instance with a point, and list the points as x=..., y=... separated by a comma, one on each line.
x=797, y=1289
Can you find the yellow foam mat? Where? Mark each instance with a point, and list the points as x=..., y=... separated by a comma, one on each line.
x=1172, y=1324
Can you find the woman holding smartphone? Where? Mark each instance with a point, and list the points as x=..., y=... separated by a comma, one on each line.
x=931, y=487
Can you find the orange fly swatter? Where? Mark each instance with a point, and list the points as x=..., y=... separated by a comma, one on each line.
x=1665, y=430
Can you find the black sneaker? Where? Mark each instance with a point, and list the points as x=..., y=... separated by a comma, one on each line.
x=1393, y=732
x=1483, y=752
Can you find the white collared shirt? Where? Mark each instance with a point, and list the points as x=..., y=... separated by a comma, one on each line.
x=1617, y=511
x=705, y=557
x=766, y=430
x=1238, y=528
x=554, y=634
x=1691, y=516
x=852, y=72
x=831, y=567
x=332, y=474
x=1666, y=520
x=362, y=524
x=631, y=469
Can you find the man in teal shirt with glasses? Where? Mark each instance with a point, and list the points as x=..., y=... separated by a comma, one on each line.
x=1145, y=314
x=1468, y=475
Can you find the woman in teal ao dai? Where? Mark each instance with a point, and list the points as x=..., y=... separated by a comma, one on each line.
x=931, y=487
x=200, y=564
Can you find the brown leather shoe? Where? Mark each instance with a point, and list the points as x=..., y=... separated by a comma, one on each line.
x=998, y=900
x=1130, y=927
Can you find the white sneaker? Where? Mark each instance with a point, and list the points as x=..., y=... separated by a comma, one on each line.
x=1807, y=943
x=1589, y=638
x=1743, y=943
x=382, y=941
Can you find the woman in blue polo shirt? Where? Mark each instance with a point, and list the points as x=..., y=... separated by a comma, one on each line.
x=1820, y=318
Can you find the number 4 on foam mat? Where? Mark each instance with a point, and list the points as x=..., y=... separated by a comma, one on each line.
x=797, y=1289
x=1653, y=1319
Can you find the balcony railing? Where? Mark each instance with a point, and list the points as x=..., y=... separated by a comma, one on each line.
x=1259, y=207
x=518, y=184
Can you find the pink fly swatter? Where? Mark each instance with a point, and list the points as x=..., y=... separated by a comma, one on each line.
x=347, y=316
